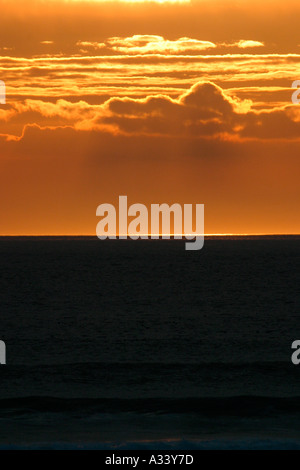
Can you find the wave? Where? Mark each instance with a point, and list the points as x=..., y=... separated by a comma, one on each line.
x=241, y=406
x=230, y=366
x=165, y=445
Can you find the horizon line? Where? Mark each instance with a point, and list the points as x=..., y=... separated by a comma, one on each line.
x=159, y=235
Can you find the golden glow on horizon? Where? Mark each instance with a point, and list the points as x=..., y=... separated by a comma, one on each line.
x=130, y=1
x=279, y=234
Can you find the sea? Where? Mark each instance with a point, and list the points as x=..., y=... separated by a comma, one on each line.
x=123, y=344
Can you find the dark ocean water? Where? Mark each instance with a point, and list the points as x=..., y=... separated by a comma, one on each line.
x=131, y=344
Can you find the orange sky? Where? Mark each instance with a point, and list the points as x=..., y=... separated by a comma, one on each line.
x=165, y=102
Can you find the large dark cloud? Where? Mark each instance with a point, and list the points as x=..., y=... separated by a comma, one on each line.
x=204, y=110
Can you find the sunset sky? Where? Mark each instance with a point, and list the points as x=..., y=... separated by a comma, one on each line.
x=164, y=101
